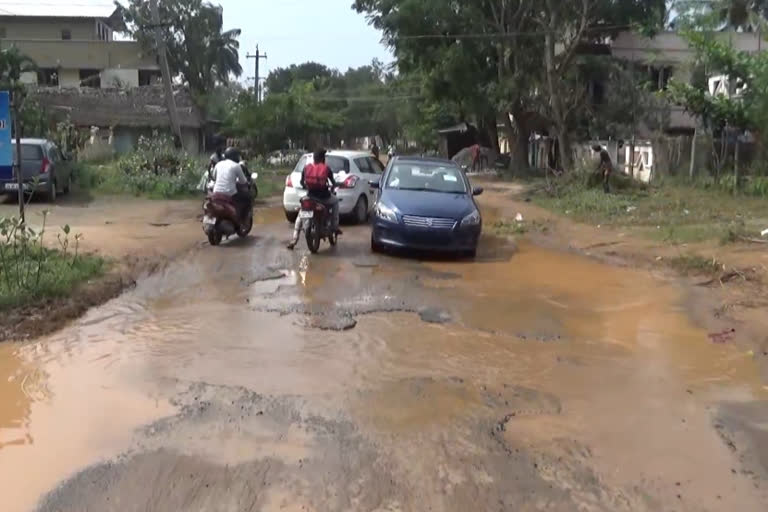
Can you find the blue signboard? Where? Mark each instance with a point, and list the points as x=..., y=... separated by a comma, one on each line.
x=6, y=147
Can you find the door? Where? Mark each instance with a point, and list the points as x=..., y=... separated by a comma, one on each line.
x=370, y=170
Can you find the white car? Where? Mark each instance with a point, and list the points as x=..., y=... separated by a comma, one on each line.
x=353, y=171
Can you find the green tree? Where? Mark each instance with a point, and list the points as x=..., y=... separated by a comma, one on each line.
x=200, y=51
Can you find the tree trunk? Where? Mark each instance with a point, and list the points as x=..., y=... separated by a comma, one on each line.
x=558, y=116
x=519, y=133
x=736, y=167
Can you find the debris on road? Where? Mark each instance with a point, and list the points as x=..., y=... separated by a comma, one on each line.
x=720, y=338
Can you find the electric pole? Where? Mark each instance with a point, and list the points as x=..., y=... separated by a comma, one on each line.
x=257, y=78
x=170, y=101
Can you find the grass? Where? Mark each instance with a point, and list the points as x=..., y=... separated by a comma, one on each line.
x=672, y=212
x=59, y=277
x=693, y=264
x=107, y=177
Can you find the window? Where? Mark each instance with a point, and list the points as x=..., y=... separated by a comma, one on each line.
x=2, y=32
x=364, y=165
x=148, y=77
x=90, y=78
x=48, y=77
x=66, y=34
x=31, y=152
x=376, y=165
x=427, y=178
x=660, y=76
x=337, y=163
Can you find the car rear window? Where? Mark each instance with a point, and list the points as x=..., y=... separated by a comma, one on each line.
x=336, y=163
x=31, y=152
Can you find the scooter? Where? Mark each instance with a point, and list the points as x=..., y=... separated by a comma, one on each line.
x=220, y=215
x=317, y=223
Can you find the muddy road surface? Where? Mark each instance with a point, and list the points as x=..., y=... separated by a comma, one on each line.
x=247, y=377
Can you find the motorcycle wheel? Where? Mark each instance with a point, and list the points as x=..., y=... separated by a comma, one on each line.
x=333, y=239
x=244, y=230
x=313, y=237
x=214, y=237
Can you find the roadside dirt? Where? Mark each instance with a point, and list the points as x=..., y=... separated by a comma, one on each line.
x=137, y=237
x=730, y=304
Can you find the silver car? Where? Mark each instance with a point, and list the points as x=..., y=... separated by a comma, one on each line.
x=353, y=171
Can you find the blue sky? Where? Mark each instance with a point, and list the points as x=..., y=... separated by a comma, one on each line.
x=295, y=31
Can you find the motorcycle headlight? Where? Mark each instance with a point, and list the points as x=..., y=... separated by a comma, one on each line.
x=384, y=212
x=473, y=219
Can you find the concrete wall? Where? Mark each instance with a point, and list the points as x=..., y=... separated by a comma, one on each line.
x=671, y=48
x=69, y=78
x=119, y=78
x=81, y=29
x=85, y=54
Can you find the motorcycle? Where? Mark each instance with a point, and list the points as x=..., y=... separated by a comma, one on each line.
x=317, y=223
x=221, y=217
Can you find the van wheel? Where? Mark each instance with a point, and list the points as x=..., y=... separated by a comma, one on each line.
x=52, y=192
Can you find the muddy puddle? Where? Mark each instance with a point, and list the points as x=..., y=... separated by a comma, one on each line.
x=527, y=379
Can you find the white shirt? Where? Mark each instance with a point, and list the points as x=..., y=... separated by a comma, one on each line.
x=228, y=175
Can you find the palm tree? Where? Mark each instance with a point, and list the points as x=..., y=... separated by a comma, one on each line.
x=13, y=64
x=223, y=54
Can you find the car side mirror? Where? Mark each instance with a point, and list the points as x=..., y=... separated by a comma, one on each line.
x=477, y=191
x=375, y=184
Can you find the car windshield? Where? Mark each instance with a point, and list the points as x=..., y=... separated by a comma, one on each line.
x=427, y=177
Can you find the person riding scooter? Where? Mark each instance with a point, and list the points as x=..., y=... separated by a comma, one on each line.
x=230, y=181
x=317, y=179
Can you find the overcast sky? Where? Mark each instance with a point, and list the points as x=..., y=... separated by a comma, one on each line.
x=289, y=31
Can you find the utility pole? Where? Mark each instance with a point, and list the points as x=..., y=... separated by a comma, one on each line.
x=170, y=101
x=257, y=78
x=15, y=94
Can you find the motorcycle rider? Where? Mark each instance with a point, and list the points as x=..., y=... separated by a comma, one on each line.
x=315, y=179
x=230, y=180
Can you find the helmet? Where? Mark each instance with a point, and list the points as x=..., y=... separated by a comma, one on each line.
x=232, y=154
x=319, y=155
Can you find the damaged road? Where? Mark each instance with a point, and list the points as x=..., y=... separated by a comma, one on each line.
x=246, y=377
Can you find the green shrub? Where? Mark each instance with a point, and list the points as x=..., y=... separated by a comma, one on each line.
x=155, y=169
x=30, y=271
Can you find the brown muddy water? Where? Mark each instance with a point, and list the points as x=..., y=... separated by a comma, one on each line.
x=246, y=377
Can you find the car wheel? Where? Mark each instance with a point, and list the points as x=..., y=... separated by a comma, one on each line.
x=375, y=247
x=361, y=210
x=471, y=254
x=291, y=216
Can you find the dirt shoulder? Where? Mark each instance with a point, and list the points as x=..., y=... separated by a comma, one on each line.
x=135, y=235
x=727, y=284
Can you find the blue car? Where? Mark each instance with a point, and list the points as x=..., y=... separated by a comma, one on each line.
x=426, y=204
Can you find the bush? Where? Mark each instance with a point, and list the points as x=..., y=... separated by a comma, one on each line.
x=30, y=271
x=154, y=169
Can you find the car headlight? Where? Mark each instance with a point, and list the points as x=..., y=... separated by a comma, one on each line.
x=473, y=219
x=384, y=212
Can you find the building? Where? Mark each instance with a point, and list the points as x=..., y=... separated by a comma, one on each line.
x=123, y=115
x=76, y=49
x=667, y=56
